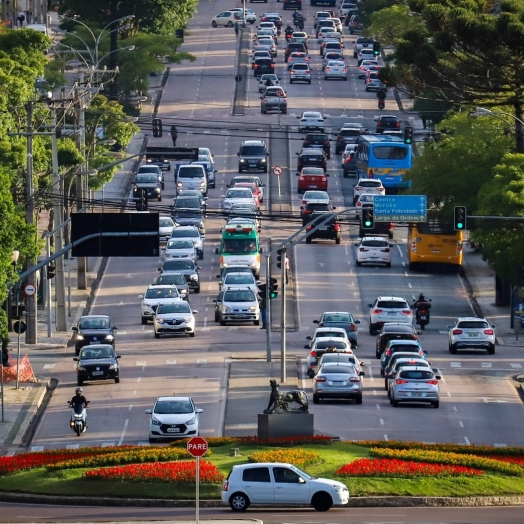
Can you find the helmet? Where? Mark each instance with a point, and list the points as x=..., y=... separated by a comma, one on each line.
x=78, y=391
x=421, y=297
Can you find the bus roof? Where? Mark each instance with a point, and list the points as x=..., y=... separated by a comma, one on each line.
x=239, y=229
x=383, y=138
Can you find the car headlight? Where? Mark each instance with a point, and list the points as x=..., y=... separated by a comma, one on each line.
x=254, y=265
x=81, y=368
x=157, y=190
x=194, y=277
x=168, y=255
x=226, y=309
x=79, y=337
x=110, y=337
x=252, y=308
x=155, y=422
x=263, y=160
x=203, y=183
x=198, y=244
x=113, y=366
x=191, y=421
x=179, y=184
x=183, y=291
x=160, y=320
x=338, y=489
x=242, y=160
x=187, y=320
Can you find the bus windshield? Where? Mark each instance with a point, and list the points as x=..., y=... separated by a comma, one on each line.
x=240, y=246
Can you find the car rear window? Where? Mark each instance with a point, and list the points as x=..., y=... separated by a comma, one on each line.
x=303, y=67
x=392, y=304
x=339, y=368
x=330, y=344
x=318, y=207
x=416, y=374
x=408, y=348
x=375, y=243
x=364, y=40
x=473, y=324
x=369, y=183
x=350, y=132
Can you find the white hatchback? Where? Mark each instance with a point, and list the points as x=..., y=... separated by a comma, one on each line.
x=311, y=121
x=369, y=186
x=388, y=309
x=153, y=297
x=280, y=483
x=373, y=250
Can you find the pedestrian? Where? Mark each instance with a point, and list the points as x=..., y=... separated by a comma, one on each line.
x=424, y=121
x=174, y=134
x=21, y=18
x=263, y=312
x=237, y=28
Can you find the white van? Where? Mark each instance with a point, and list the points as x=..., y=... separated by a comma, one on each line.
x=191, y=176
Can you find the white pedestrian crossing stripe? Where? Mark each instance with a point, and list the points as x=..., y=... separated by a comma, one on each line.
x=485, y=364
x=108, y=444
x=72, y=446
x=455, y=364
x=516, y=366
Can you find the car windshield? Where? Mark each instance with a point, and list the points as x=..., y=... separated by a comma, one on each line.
x=190, y=172
x=178, y=264
x=252, y=151
x=94, y=353
x=180, y=244
x=188, y=202
x=392, y=304
x=239, y=246
x=94, y=323
x=157, y=292
x=146, y=179
x=148, y=169
x=183, y=233
x=239, y=193
x=239, y=296
x=183, y=307
x=173, y=407
x=165, y=222
x=244, y=278
x=172, y=278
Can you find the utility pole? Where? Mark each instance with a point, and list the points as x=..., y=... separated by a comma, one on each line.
x=81, y=262
x=31, y=333
x=283, y=320
x=61, y=318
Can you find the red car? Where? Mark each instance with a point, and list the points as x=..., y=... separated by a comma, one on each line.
x=312, y=178
x=254, y=189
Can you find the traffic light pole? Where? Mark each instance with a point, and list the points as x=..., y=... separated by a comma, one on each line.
x=283, y=338
x=268, y=309
x=48, y=291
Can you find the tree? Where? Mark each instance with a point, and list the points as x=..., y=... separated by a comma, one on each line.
x=503, y=241
x=389, y=24
x=452, y=170
x=466, y=55
x=366, y=8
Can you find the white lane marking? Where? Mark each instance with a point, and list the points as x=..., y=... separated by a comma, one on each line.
x=123, y=432
x=455, y=364
x=141, y=363
x=37, y=448
x=205, y=322
x=143, y=443
x=485, y=364
x=129, y=275
x=134, y=393
x=346, y=249
x=107, y=444
x=72, y=446
x=386, y=437
x=232, y=328
x=170, y=362
x=466, y=440
x=139, y=379
x=449, y=394
x=496, y=445
x=455, y=408
x=381, y=421
x=205, y=329
x=130, y=407
x=49, y=366
x=201, y=361
x=400, y=251
x=375, y=392
x=461, y=424
x=378, y=406
x=410, y=286
x=516, y=366
x=371, y=377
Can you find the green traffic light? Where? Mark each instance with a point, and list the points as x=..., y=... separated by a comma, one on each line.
x=367, y=223
x=460, y=225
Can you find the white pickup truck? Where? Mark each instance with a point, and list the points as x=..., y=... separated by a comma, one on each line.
x=347, y=7
x=273, y=99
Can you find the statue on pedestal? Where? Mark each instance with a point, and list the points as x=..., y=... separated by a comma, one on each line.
x=279, y=402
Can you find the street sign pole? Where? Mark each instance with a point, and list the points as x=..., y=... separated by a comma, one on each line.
x=197, y=447
x=197, y=498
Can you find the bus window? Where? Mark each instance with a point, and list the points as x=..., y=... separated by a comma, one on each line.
x=390, y=152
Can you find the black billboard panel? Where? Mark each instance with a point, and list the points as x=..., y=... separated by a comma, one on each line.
x=123, y=234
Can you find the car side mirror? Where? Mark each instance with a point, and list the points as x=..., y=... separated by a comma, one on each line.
x=148, y=411
x=238, y=154
x=297, y=153
x=159, y=269
x=493, y=326
x=309, y=338
x=306, y=347
x=315, y=321
x=449, y=326
x=216, y=250
x=370, y=305
x=438, y=377
x=140, y=296
x=198, y=411
x=356, y=321
x=334, y=207
x=261, y=97
x=74, y=328
x=362, y=374
x=261, y=249
x=195, y=311
x=301, y=480
x=297, y=174
x=356, y=245
x=119, y=356
x=198, y=267
x=76, y=359
x=115, y=327
x=425, y=352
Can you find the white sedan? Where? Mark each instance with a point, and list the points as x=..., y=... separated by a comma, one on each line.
x=237, y=195
x=153, y=297
x=176, y=317
x=226, y=19
x=311, y=121
x=336, y=69
x=251, y=16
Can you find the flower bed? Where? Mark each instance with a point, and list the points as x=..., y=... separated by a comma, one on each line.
x=440, y=457
x=402, y=468
x=164, y=472
x=138, y=455
x=298, y=457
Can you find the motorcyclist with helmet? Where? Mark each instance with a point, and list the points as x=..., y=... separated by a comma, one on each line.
x=78, y=400
x=422, y=305
x=288, y=32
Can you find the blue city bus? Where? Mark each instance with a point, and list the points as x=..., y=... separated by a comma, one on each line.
x=386, y=158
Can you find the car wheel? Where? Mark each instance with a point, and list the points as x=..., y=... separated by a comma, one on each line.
x=192, y=334
x=144, y=322
x=79, y=381
x=159, y=198
x=358, y=400
x=230, y=24
x=239, y=169
x=239, y=502
x=453, y=349
x=337, y=240
x=256, y=322
x=265, y=169
x=394, y=403
x=222, y=322
x=491, y=350
x=310, y=373
x=378, y=354
x=201, y=255
x=217, y=318
x=316, y=398
x=308, y=240
x=386, y=384
x=322, y=501
x=309, y=82
x=157, y=335
x=381, y=372
x=152, y=440
x=197, y=290
x=436, y=404
x=359, y=263
x=213, y=23
x=117, y=380
x=388, y=264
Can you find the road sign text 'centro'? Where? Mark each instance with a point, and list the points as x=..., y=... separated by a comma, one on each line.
x=400, y=208
x=197, y=446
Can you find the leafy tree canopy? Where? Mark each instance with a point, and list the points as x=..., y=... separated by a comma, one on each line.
x=389, y=24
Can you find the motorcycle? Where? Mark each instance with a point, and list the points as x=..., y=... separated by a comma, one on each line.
x=78, y=422
x=381, y=103
x=289, y=36
x=422, y=314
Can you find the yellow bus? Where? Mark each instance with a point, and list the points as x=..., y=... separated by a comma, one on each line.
x=434, y=242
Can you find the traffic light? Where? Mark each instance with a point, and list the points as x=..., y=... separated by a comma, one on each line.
x=262, y=290
x=460, y=218
x=279, y=258
x=273, y=286
x=376, y=48
x=157, y=127
x=368, y=220
x=408, y=135
x=51, y=271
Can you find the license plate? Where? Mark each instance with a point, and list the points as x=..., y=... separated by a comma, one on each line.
x=390, y=313
x=338, y=383
x=323, y=228
x=97, y=373
x=312, y=187
x=473, y=334
x=94, y=342
x=252, y=165
x=173, y=430
x=422, y=317
x=416, y=394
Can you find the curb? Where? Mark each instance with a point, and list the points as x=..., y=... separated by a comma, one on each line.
x=33, y=404
x=355, y=502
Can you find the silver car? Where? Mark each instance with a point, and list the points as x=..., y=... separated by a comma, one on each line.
x=320, y=347
x=300, y=72
x=472, y=333
x=339, y=381
x=415, y=384
x=190, y=233
x=173, y=318
x=336, y=69
x=180, y=249
x=153, y=297
x=402, y=362
x=239, y=305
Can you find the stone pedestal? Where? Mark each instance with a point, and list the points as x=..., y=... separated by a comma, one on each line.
x=285, y=425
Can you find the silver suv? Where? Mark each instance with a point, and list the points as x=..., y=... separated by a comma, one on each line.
x=300, y=72
x=239, y=305
x=471, y=333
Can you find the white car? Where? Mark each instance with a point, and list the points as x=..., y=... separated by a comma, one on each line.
x=206, y=154
x=165, y=228
x=264, y=78
x=318, y=349
x=240, y=280
x=328, y=332
x=268, y=25
x=319, y=197
x=365, y=54
x=368, y=186
x=364, y=66
x=239, y=305
x=311, y=121
x=226, y=19
x=327, y=32
x=173, y=318
x=350, y=148
x=251, y=16
x=373, y=250
x=237, y=195
x=415, y=384
x=279, y=483
x=176, y=248
x=154, y=296
x=173, y=417
x=364, y=200
x=472, y=333
x=337, y=22
x=388, y=309
x=190, y=233
x=336, y=69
